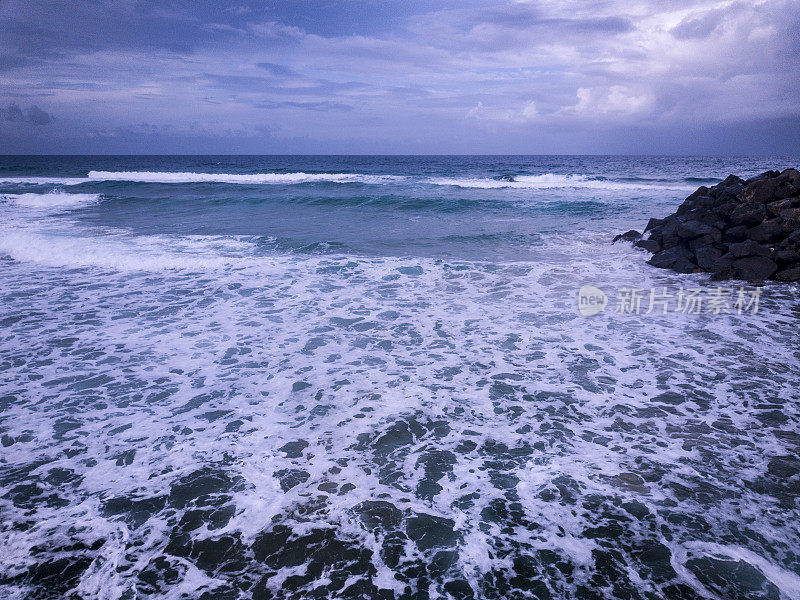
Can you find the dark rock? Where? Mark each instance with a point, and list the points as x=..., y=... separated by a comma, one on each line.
x=776, y=207
x=723, y=268
x=666, y=259
x=791, y=219
x=755, y=268
x=628, y=236
x=762, y=176
x=768, y=231
x=653, y=223
x=787, y=189
x=693, y=229
x=792, y=174
x=723, y=262
x=652, y=246
x=714, y=237
x=725, y=209
x=736, y=234
x=788, y=256
x=760, y=191
x=735, y=229
x=732, y=181
x=684, y=265
x=669, y=233
x=691, y=200
x=749, y=248
x=706, y=257
x=792, y=274
x=748, y=214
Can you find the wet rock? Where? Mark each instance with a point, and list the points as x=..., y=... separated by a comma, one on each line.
x=666, y=259
x=748, y=214
x=736, y=234
x=768, y=231
x=755, y=268
x=790, y=219
x=779, y=205
x=748, y=248
x=788, y=275
x=628, y=236
x=651, y=246
x=707, y=257
x=653, y=223
x=734, y=230
x=693, y=229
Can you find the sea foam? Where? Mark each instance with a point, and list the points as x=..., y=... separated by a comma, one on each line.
x=238, y=178
x=54, y=200
x=551, y=181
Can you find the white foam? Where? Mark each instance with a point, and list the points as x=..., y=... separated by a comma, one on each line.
x=116, y=252
x=785, y=580
x=45, y=180
x=239, y=339
x=53, y=199
x=192, y=177
x=237, y=178
x=550, y=181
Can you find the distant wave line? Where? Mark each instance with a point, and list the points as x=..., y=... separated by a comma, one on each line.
x=191, y=177
x=550, y=181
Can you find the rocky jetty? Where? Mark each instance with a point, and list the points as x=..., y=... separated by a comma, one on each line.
x=737, y=229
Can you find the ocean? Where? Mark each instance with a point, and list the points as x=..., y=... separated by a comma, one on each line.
x=234, y=377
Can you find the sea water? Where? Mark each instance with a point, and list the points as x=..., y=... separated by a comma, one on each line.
x=368, y=377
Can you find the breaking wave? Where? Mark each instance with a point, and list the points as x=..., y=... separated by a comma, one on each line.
x=552, y=181
x=237, y=178
x=53, y=199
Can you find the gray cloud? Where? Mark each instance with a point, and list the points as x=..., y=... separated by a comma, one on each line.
x=33, y=115
x=317, y=106
x=354, y=74
x=278, y=70
x=698, y=27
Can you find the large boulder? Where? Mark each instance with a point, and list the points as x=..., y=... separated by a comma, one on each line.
x=740, y=229
x=755, y=268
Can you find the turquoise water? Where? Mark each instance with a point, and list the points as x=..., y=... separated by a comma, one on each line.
x=366, y=377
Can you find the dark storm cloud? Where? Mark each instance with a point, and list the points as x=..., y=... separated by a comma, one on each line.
x=33, y=115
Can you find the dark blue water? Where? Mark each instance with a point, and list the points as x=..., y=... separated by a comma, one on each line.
x=367, y=377
x=464, y=207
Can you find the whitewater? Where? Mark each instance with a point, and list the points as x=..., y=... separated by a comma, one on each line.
x=367, y=377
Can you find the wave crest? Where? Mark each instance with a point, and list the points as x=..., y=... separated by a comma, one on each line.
x=548, y=181
x=52, y=200
x=238, y=178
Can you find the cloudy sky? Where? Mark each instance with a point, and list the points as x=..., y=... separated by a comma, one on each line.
x=415, y=76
